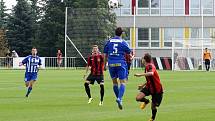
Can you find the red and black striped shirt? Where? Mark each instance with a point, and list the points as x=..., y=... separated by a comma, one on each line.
x=153, y=82
x=96, y=62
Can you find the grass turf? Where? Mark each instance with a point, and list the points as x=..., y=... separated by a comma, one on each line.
x=59, y=96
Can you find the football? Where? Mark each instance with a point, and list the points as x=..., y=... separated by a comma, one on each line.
x=113, y=4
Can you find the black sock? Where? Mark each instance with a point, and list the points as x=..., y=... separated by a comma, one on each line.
x=87, y=89
x=144, y=100
x=102, y=90
x=154, y=111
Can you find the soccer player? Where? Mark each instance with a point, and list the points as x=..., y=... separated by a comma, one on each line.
x=129, y=58
x=115, y=50
x=207, y=59
x=152, y=87
x=59, y=58
x=96, y=63
x=32, y=63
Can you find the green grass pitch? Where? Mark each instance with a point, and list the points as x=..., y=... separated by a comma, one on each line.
x=59, y=96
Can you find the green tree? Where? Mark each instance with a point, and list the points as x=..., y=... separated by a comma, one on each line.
x=51, y=33
x=20, y=28
x=52, y=25
x=91, y=24
x=3, y=27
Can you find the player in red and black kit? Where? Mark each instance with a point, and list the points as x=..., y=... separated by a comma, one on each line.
x=96, y=63
x=129, y=58
x=152, y=87
x=59, y=58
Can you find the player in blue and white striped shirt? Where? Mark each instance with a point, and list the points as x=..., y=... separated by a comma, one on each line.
x=32, y=63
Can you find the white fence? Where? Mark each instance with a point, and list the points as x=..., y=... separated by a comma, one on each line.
x=51, y=63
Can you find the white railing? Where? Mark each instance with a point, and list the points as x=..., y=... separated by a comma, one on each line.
x=51, y=63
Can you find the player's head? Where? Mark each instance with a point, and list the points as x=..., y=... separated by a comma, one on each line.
x=34, y=51
x=147, y=58
x=58, y=51
x=206, y=49
x=118, y=31
x=95, y=49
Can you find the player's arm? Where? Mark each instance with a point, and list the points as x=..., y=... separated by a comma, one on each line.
x=141, y=86
x=88, y=66
x=105, y=55
x=40, y=64
x=24, y=61
x=105, y=61
x=144, y=74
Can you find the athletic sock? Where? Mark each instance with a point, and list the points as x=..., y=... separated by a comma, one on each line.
x=116, y=90
x=121, y=91
x=102, y=92
x=144, y=100
x=154, y=112
x=87, y=89
x=29, y=91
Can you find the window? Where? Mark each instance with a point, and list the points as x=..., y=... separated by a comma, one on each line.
x=166, y=7
x=143, y=34
x=168, y=35
x=143, y=7
x=207, y=7
x=155, y=37
x=125, y=9
x=179, y=7
x=155, y=7
x=179, y=33
x=195, y=33
x=195, y=7
x=207, y=33
x=155, y=33
x=126, y=35
x=143, y=37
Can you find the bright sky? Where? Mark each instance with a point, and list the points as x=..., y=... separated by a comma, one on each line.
x=9, y=3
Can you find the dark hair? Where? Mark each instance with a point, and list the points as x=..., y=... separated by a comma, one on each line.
x=95, y=46
x=34, y=48
x=118, y=31
x=147, y=57
x=206, y=48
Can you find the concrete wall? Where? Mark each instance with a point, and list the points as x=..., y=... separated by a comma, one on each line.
x=166, y=21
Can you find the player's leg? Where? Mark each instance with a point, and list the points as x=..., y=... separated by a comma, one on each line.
x=122, y=72
x=30, y=87
x=90, y=80
x=101, y=93
x=100, y=81
x=141, y=98
x=209, y=63
x=113, y=74
x=156, y=101
x=32, y=79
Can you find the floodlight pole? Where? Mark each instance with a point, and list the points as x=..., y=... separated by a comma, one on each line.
x=134, y=34
x=202, y=31
x=65, y=37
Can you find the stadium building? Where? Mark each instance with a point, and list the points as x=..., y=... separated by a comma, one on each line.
x=158, y=22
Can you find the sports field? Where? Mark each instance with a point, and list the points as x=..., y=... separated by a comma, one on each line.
x=59, y=96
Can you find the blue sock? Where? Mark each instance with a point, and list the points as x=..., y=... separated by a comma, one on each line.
x=29, y=90
x=116, y=90
x=121, y=91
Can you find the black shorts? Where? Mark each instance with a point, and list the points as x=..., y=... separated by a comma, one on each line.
x=156, y=98
x=207, y=62
x=92, y=78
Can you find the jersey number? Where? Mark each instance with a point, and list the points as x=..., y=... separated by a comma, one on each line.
x=115, y=48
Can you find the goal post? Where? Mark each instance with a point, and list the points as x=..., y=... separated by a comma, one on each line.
x=187, y=54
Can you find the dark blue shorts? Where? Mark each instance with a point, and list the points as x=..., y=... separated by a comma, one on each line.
x=120, y=72
x=30, y=76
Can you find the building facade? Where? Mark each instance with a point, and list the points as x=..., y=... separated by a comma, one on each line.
x=157, y=22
